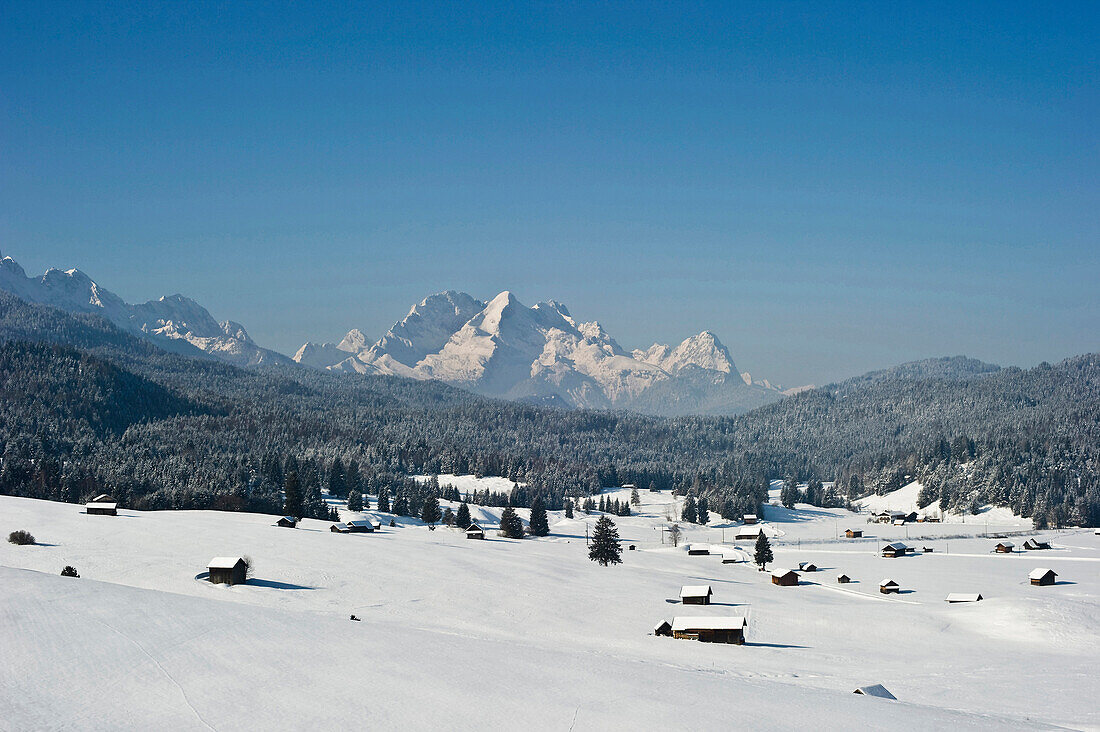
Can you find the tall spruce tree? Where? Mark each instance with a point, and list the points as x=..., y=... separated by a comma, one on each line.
x=429, y=511
x=703, y=511
x=383, y=499
x=511, y=525
x=763, y=553
x=690, y=512
x=635, y=499
x=568, y=509
x=355, y=499
x=292, y=503
x=462, y=520
x=539, y=524
x=337, y=486
x=605, y=547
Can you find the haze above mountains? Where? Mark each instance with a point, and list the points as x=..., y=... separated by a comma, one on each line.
x=498, y=348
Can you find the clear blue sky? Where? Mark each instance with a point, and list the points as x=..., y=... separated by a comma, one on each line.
x=830, y=188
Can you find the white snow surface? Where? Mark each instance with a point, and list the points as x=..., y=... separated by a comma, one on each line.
x=460, y=634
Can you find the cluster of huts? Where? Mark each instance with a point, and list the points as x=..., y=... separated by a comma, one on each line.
x=900, y=518
x=706, y=629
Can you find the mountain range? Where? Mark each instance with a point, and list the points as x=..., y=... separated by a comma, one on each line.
x=499, y=348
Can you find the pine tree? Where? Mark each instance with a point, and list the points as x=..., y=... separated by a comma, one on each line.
x=605, y=547
x=539, y=524
x=448, y=517
x=292, y=504
x=763, y=553
x=462, y=520
x=703, y=511
x=355, y=499
x=383, y=500
x=603, y=504
x=690, y=512
x=635, y=499
x=511, y=525
x=568, y=509
x=336, y=483
x=401, y=505
x=429, y=512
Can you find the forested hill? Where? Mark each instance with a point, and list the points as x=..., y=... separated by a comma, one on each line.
x=191, y=433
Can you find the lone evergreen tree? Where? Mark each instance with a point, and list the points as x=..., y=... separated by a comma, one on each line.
x=605, y=547
x=703, y=511
x=763, y=553
x=511, y=525
x=539, y=525
x=383, y=500
x=355, y=499
x=568, y=508
x=292, y=503
x=462, y=520
x=429, y=512
x=635, y=499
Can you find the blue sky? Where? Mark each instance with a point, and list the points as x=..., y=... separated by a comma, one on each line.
x=829, y=187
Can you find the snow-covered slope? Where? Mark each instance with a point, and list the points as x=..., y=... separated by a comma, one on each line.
x=171, y=318
x=459, y=634
x=542, y=354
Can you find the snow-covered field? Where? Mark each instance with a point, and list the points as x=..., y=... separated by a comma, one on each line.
x=460, y=634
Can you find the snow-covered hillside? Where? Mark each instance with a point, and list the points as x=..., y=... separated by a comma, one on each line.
x=172, y=319
x=503, y=348
x=462, y=634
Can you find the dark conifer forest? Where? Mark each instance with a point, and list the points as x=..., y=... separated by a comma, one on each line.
x=88, y=409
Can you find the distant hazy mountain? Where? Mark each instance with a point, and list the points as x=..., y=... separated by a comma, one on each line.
x=542, y=355
x=170, y=321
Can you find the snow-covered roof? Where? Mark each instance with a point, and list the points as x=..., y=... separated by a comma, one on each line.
x=731, y=622
x=474, y=528
x=1040, y=572
x=750, y=515
x=698, y=547
x=102, y=498
x=780, y=572
x=696, y=591
x=896, y=546
x=842, y=574
x=886, y=582
x=101, y=504
x=290, y=518
x=876, y=690
x=753, y=530
x=223, y=562
x=361, y=522
x=964, y=597
x=1006, y=544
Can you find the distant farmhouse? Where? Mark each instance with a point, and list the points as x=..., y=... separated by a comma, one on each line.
x=1035, y=545
x=853, y=533
x=896, y=549
x=1005, y=547
x=227, y=570
x=1041, y=576
x=843, y=579
x=784, y=577
x=807, y=567
x=889, y=587
x=710, y=629
x=696, y=594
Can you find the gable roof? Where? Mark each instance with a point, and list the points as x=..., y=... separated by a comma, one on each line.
x=886, y=582
x=781, y=572
x=102, y=498
x=895, y=546
x=731, y=622
x=696, y=591
x=100, y=504
x=1006, y=544
x=474, y=527
x=875, y=690
x=289, y=518
x=223, y=562
x=1040, y=572
x=842, y=575
x=964, y=597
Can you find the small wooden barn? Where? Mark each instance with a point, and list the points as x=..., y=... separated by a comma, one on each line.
x=663, y=628
x=227, y=570
x=287, y=522
x=749, y=532
x=843, y=579
x=360, y=526
x=732, y=558
x=964, y=597
x=749, y=519
x=1004, y=547
x=889, y=587
x=853, y=533
x=698, y=549
x=338, y=528
x=927, y=549
x=807, y=567
x=896, y=549
x=710, y=629
x=696, y=594
x=877, y=690
x=1042, y=576
x=101, y=508
x=784, y=577
x=473, y=531
x=1035, y=545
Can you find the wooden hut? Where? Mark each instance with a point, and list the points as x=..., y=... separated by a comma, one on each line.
x=227, y=570
x=843, y=579
x=1004, y=547
x=338, y=528
x=101, y=508
x=853, y=533
x=749, y=519
x=784, y=577
x=698, y=549
x=473, y=531
x=889, y=587
x=1035, y=545
x=749, y=532
x=360, y=526
x=1042, y=576
x=896, y=549
x=287, y=522
x=696, y=594
x=928, y=550
x=807, y=567
x=711, y=629
x=964, y=597
x=877, y=690
x=663, y=628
